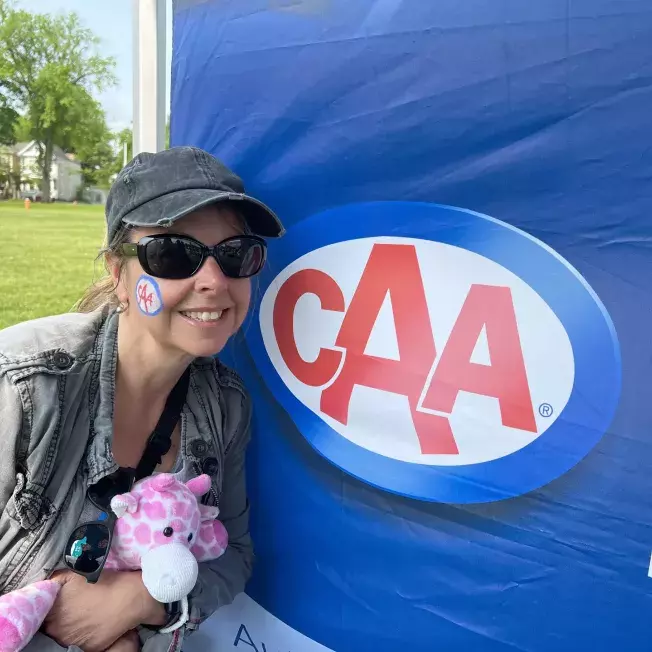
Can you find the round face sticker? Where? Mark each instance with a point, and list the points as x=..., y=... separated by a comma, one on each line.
x=148, y=296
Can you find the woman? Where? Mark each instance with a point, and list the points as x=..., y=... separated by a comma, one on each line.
x=81, y=393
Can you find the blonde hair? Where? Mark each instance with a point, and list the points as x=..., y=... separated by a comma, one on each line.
x=101, y=293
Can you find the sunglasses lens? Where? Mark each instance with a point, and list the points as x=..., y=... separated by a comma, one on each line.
x=103, y=491
x=172, y=257
x=241, y=257
x=87, y=548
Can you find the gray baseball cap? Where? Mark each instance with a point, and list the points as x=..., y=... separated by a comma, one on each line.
x=158, y=189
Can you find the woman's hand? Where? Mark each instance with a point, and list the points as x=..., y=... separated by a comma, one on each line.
x=94, y=616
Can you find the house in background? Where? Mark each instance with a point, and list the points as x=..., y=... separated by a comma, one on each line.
x=65, y=173
x=10, y=173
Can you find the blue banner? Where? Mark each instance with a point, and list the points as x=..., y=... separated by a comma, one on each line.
x=450, y=350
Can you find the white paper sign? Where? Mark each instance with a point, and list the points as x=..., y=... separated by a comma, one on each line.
x=246, y=626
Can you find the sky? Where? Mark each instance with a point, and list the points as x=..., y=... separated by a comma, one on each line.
x=111, y=21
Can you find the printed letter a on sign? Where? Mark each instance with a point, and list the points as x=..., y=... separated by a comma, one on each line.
x=392, y=269
x=240, y=638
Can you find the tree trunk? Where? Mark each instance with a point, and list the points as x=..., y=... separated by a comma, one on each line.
x=46, y=159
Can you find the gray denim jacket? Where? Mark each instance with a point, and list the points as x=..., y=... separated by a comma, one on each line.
x=57, y=381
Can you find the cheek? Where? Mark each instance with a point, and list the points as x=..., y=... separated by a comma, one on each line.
x=160, y=292
x=148, y=296
x=176, y=293
x=127, y=279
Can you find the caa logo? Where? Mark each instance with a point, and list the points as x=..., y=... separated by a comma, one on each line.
x=457, y=359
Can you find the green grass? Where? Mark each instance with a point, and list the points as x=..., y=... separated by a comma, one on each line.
x=47, y=257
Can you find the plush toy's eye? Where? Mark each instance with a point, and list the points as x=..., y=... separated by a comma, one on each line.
x=190, y=537
x=168, y=532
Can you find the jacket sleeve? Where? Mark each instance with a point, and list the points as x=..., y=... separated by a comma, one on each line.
x=11, y=418
x=219, y=581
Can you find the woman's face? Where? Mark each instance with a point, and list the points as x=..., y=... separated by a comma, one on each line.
x=198, y=314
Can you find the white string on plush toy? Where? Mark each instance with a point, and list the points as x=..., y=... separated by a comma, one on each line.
x=183, y=619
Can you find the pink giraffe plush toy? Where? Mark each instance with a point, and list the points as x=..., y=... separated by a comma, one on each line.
x=161, y=529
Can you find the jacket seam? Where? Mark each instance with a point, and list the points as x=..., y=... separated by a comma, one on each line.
x=214, y=439
x=197, y=393
x=17, y=559
x=114, y=363
x=226, y=374
x=42, y=357
x=53, y=449
x=245, y=421
x=22, y=449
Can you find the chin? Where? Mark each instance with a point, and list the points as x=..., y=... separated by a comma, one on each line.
x=205, y=348
x=204, y=340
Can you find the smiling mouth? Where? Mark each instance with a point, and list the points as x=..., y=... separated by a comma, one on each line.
x=206, y=317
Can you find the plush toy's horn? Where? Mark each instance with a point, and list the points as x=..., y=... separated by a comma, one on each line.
x=199, y=485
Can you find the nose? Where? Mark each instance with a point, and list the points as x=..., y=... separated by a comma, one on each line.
x=210, y=277
x=169, y=572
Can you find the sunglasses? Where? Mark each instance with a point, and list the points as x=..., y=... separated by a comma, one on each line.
x=180, y=256
x=89, y=544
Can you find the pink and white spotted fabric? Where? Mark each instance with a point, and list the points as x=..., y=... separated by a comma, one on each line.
x=162, y=529
x=22, y=612
x=160, y=511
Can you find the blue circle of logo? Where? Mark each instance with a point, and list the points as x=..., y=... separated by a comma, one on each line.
x=596, y=354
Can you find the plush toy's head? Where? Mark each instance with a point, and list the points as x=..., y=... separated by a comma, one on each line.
x=158, y=529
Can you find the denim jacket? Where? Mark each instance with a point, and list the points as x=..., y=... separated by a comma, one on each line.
x=57, y=383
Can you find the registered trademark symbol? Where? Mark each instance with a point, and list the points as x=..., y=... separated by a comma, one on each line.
x=545, y=410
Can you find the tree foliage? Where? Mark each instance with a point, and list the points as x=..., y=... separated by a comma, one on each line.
x=8, y=121
x=49, y=70
x=90, y=141
x=122, y=138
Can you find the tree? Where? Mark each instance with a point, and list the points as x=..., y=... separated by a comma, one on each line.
x=8, y=120
x=22, y=129
x=126, y=137
x=122, y=138
x=91, y=142
x=49, y=69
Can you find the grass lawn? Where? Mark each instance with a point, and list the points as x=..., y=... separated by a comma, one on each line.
x=47, y=257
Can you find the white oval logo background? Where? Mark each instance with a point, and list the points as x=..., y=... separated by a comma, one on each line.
x=380, y=421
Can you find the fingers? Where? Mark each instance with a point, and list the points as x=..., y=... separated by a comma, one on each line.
x=61, y=576
x=127, y=643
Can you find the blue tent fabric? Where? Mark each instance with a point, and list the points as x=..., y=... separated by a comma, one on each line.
x=533, y=113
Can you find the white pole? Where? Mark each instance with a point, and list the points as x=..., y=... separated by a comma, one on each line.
x=149, y=75
x=124, y=155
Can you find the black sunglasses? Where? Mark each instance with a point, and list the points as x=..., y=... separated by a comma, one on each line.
x=89, y=544
x=180, y=256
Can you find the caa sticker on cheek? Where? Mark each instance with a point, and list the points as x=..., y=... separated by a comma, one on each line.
x=148, y=296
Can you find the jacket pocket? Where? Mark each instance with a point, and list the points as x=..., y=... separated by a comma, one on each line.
x=28, y=506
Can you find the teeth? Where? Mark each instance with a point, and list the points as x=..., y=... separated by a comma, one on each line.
x=204, y=316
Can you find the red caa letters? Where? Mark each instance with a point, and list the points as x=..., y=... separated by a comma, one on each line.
x=394, y=269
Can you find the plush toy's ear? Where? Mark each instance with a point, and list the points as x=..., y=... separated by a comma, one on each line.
x=199, y=485
x=124, y=503
x=207, y=513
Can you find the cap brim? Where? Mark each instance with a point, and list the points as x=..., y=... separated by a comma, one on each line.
x=167, y=209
